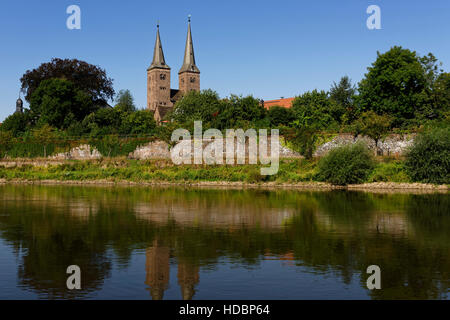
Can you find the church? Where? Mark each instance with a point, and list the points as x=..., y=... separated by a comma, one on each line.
x=160, y=97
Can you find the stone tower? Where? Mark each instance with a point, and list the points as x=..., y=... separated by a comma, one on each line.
x=158, y=79
x=189, y=74
x=19, y=106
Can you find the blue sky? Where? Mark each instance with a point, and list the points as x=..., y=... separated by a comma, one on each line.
x=265, y=48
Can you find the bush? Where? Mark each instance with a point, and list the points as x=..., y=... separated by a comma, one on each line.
x=280, y=116
x=393, y=171
x=428, y=160
x=348, y=164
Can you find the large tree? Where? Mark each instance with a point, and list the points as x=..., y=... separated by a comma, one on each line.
x=17, y=123
x=343, y=94
x=196, y=106
x=398, y=83
x=441, y=95
x=313, y=109
x=280, y=116
x=238, y=111
x=125, y=101
x=84, y=76
x=59, y=103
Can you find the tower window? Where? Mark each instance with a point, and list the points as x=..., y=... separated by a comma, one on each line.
x=162, y=76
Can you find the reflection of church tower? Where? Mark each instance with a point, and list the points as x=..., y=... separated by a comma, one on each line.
x=157, y=267
x=188, y=278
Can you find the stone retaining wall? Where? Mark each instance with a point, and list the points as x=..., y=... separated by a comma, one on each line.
x=393, y=145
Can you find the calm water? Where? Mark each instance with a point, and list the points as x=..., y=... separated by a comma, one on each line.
x=174, y=243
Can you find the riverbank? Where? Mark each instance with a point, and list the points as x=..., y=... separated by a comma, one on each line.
x=376, y=187
x=293, y=173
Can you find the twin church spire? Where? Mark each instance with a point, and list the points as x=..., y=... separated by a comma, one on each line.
x=158, y=54
x=160, y=97
x=189, y=56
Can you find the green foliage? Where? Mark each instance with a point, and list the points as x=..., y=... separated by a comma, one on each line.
x=58, y=103
x=6, y=142
x=196, y=106
x=17, y=123
x=372, y=125
x=428, y=160
x=304, y=141
x=125, y=101
x=238, y=112
x=139, y=122
x=104, y=121
x=397, y=84
x=440, y=97
x=280, y=116
x=343, y=92
x=45, y=135
x=90, y=79
x=349, y=164
x=343, y=95
x=312, y=109
x=392, y=171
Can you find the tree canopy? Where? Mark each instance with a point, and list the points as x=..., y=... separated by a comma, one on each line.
x=84, y=76
x=398, y=84
x=59, y=103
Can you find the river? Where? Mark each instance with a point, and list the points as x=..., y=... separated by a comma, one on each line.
x=181, y=243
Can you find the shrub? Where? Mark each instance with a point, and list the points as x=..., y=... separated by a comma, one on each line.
x=344, y=165
x=280, y=116
x=428, y=160
x=389, y=172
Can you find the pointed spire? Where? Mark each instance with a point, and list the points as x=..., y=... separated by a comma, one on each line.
x=158, y=54
x=189, y=58
x=19, y=105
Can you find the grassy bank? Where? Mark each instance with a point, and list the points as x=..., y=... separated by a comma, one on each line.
x=120, y=169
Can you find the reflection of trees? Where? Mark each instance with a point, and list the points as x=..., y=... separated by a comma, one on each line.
x=325, y=231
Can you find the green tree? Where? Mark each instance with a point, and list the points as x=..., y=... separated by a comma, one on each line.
x=58, y=103
x=104, y=121
x=280, y=116
x=312, y=109
x=6, y=142
x=396, y=84
x=17, y=123
x=304, y=141
x=125, y=101
x=428, y=160
x=86, y=77
x=239, y=111
x=44, y=135
x=374, y=126
x=196, y=106
x=140, y=122
x=441, y=94
x=343, y=94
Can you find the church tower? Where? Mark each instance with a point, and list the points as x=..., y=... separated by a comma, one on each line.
x=189, y=74
x=158, y=79
x=19, y=105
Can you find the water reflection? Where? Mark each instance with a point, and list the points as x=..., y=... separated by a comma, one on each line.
x=185, y=236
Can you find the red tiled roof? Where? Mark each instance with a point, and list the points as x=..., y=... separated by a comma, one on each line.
x=286, y=103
